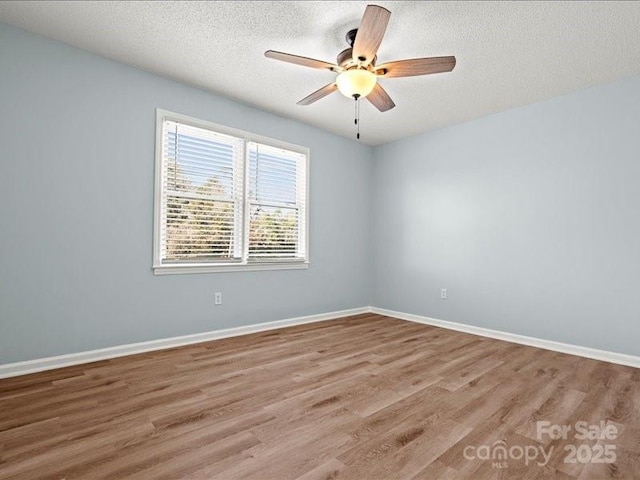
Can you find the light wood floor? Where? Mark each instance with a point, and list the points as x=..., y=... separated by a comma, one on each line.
x=364, y=397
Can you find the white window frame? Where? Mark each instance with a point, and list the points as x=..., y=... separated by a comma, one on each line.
x=245, y=264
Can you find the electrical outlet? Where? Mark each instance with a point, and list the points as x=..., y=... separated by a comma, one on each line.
x=443, y=294
x=217, y=299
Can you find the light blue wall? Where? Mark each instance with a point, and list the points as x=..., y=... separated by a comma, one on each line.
x=77, y=146
x=530, y=218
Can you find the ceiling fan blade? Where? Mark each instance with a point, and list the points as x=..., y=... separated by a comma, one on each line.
x=380, y=99
x=416, y=66
x=298, y=60
x=318, y=94
x=370, y=32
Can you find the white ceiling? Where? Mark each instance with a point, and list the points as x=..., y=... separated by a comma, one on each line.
x=508, y=53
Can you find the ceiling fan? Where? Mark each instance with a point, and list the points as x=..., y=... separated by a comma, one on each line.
x=356, y=66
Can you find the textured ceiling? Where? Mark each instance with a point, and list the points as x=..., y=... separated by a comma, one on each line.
x=509, y=53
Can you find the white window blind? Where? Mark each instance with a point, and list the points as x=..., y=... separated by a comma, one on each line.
x=202, y=199
x=226, y=199
x=277, y=193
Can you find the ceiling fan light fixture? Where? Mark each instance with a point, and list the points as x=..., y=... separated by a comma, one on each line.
x=356, y=82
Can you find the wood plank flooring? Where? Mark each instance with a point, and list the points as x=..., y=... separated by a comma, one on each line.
x=364, y=397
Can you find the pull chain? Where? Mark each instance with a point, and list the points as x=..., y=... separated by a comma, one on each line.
x=357, y=115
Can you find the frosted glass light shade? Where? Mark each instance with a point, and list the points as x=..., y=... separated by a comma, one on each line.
x=356, y=82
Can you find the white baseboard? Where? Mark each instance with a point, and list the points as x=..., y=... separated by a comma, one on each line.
x=612, y=357
x=49, y=363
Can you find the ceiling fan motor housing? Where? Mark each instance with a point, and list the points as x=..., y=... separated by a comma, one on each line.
x=345, y=59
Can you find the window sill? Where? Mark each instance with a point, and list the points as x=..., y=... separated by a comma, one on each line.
x=225, y=268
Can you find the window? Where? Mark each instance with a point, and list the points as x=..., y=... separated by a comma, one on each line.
x=226, y=199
